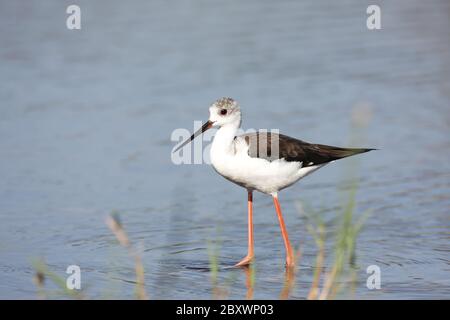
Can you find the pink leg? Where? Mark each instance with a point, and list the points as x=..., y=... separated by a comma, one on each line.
x=290, y=262
x=249, y=258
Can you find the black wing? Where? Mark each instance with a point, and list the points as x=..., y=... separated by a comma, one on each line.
x=272, y=146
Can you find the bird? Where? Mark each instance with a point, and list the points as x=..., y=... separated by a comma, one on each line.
x=262, y=161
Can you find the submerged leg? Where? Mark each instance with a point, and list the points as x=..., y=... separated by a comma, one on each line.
x=290, y=262
x=250, y=254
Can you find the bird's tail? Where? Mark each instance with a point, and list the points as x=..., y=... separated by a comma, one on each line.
x=339, y=153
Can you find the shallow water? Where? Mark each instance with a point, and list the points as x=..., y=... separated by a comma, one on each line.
x=86, y=120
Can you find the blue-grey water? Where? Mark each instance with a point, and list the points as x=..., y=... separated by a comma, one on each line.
x=86, y=118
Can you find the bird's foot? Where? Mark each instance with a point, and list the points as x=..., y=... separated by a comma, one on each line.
x=290, y=265
x=245, y=262
x=290, y=262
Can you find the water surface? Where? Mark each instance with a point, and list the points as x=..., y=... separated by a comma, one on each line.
x=86, y=119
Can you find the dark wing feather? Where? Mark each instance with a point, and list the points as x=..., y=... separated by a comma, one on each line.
x=264, y=145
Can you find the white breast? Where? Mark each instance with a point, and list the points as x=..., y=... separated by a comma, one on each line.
x=236, y=165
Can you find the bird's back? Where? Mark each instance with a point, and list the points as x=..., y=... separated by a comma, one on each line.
x=273, y=146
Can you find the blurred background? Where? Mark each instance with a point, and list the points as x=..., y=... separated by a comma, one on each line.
x=86, y=118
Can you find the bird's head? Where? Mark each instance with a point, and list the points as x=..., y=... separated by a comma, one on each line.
x=223, y=112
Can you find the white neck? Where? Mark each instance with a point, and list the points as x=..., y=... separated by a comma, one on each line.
x=223, y=140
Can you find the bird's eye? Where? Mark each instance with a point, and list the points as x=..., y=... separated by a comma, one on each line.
x=223, y=112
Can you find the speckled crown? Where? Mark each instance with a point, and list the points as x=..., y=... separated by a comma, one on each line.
x=226, y=103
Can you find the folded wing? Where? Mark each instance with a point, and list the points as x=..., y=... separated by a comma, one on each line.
x=272, y=146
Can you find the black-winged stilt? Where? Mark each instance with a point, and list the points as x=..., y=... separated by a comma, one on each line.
x=262, y=161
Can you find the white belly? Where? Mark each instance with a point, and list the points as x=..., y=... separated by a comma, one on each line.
x=259, y=174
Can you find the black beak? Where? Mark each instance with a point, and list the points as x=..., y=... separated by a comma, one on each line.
x=208, y=124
